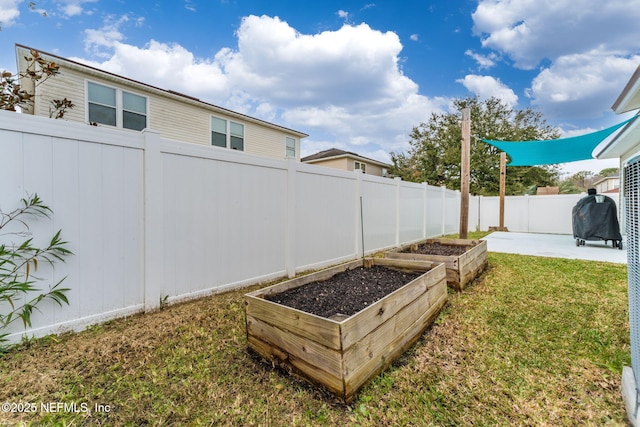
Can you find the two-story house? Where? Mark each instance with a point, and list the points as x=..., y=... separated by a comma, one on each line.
x=106, y=99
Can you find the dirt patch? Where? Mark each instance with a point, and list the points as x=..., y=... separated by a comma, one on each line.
x=437, y=249
x=345, y=293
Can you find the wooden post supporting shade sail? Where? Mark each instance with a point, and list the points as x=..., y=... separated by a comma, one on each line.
x=464, y=172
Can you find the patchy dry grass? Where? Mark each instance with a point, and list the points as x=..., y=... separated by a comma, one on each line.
x=536, y=341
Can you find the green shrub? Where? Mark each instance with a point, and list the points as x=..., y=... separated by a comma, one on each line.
x=18, y=262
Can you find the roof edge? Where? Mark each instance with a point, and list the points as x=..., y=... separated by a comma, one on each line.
x=345, y=154
x=618, y=106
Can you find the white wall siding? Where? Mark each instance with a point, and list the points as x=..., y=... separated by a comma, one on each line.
x=150, y=218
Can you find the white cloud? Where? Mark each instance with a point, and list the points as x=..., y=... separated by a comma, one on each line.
x=100, y=42
x=588, y=51
x=414, y=37
x=354, y=65
x=343, y=14
x=581, y=85
x=74, y=7
x=166, y=66
x=484, y=61
x=190, y=6
x=486, y=86
x=343, y=86
x=9, y=12
x=529, y=31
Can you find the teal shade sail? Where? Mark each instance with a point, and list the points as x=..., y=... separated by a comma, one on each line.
x=553, y=151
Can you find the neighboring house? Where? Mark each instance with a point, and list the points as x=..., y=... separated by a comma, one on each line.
x=609, y=184
x=107, y=99
x=346, y=160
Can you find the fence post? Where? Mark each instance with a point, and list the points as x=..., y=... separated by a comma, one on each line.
x=153, y=227
x=425, y=224
x=290, y=244
x=359, y=217
x=480, y=201
x=527, y=212
x=443, y=205
x=398, y=181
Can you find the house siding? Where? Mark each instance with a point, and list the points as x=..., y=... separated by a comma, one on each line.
x=371, y=168
x=339, y=163
x=349, y=164
x=68, y=84
x=175, y=117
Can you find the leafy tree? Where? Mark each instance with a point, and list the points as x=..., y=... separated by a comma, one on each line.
x=583, y=179
x=608, y=172
x=14, y=95
x=434, y=148
x=569, y=187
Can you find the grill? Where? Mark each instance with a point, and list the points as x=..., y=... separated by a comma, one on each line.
x=595, y=217
x=632, y=211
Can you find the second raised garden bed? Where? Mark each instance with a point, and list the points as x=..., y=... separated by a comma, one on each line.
x=465, y=259
x=342, y=351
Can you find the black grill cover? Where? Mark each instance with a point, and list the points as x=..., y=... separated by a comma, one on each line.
x=596, y=221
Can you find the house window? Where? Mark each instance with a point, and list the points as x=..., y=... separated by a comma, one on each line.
x=114, y=107
x=218, y=132
x=134, y=111
x=290, y=147
x=237, y=136
x=227, y=134
x=362, y=167
x=102, y=104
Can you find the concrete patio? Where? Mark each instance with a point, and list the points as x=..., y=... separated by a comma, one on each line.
x=555, y=246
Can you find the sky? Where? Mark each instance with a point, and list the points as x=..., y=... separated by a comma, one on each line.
x=353, y=75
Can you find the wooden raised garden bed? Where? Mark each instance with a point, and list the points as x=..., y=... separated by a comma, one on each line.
x=341, y=352
x=465, y=259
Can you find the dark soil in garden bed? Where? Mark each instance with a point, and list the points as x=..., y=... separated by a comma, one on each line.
x=438, y=249
x=345, y=293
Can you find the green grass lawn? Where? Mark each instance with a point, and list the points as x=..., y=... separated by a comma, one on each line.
x=535, y=341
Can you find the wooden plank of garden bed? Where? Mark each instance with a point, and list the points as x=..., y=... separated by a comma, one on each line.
x=472, y=262
x=454, y=242
x=450, y=261
x=402, y=264
x=291, y=364
x=299, y=346
x=353, y=329
x=368, y=358
x=375, y=344
x=323, y=331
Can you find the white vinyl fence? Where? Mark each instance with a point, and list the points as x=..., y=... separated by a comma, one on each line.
x=150, y=219
x=529, y=214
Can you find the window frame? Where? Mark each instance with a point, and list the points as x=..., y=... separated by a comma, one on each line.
x=361, y=166
x=119, y=107
x=286, y=147
x=228, y=133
